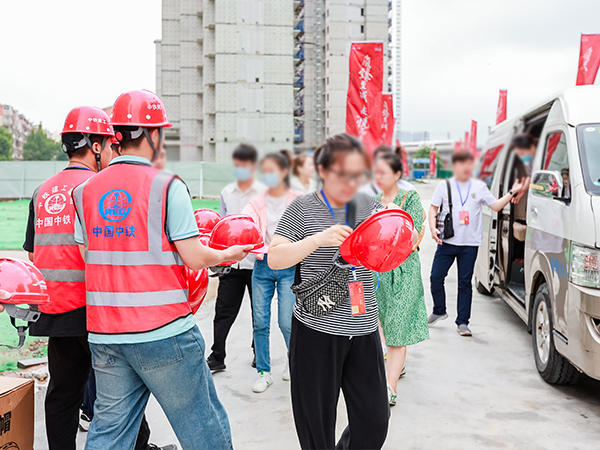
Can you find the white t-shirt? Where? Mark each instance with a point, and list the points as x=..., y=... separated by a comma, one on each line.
x=475, y=194
x=275, y=208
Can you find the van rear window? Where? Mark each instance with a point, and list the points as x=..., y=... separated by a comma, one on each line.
x=588, y=137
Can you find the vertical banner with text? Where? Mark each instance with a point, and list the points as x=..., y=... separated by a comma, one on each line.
x=386, y=119
x=501, y=110
x=432, y=163
x=473, y=138
x=589, y=59
x=365, y=86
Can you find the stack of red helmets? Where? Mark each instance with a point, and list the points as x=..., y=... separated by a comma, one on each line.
x=382, y=242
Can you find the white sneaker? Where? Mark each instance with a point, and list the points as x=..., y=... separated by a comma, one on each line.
x=264, y=381
x=286, y=372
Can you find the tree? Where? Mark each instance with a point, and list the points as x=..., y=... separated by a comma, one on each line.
x=39, y=147
x=6, y=145
x=423, y=152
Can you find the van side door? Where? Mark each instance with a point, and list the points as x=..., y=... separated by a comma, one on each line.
x=549, y=217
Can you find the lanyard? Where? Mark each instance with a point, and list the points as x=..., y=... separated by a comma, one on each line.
x=462, y=202
x=331, y=209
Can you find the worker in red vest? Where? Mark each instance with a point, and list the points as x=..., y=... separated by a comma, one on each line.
x=136, y=225
x=49, y=241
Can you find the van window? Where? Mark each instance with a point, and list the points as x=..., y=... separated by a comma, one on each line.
x=588, y=137
x=556, y=158
x=489, y=162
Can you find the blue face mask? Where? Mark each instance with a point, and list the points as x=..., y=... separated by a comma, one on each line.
x=526, y=159
x=271, y=179
x=242, y=173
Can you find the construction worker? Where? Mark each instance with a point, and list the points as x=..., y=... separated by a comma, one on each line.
x=137, y=227
x=49, y=241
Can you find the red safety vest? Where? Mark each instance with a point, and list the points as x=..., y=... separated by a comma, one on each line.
x=55, y=251
x=134, y=275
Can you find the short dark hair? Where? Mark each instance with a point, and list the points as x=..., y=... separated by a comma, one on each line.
x=522, y=140
x=392, y=160
x=462, y=156
x=70, y=139
x=245, y=152
x=126, y=141
x=283, y=159
x=326, y=155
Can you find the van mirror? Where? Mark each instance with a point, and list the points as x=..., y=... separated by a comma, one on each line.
x=550, y=184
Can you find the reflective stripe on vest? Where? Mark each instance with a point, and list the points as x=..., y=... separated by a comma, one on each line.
x=134, y=275
x=55, y=252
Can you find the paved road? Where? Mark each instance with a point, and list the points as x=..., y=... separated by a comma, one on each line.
x=459, y=393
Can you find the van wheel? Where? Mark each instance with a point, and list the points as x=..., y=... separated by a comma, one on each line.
x=482, y=289
x=551, y=365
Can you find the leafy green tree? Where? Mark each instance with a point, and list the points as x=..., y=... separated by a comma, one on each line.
x=423, y=152
x=6, y=143
x=39, y=147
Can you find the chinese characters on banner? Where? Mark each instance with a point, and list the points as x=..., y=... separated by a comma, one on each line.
x=386, y=119
x=501, y=110
x=363, y=115
x=589, y=59
x=473, y=141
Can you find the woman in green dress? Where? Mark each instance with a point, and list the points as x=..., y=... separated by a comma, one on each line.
x=400, y=295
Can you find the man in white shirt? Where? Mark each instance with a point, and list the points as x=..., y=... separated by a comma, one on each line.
x=233, y=285
x=468, y=195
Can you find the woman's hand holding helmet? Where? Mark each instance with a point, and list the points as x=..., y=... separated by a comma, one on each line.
x=333, y=236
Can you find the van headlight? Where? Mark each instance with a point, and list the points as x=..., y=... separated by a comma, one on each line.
x=585, y=266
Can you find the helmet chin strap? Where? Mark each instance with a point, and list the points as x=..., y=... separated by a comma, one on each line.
x=154, y=149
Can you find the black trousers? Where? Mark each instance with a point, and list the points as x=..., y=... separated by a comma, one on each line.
x=69, y=363
x=321, y=364
x=230, y=295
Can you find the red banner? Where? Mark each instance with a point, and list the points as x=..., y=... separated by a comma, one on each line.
x=473, y=141
x=432, y=164
x=363, y=114
x=466, y=141
x=501, y=110
x=487, y=165
x=589, y=59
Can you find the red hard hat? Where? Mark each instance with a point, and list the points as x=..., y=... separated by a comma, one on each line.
x=382, y=242
x=88, y=120
x=237, y=229
x=24, y=282
x=197, y=287
x=206, y=220
x=139, y=109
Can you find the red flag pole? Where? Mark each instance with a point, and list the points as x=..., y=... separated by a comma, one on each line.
x=589, y=59
x=502, y=104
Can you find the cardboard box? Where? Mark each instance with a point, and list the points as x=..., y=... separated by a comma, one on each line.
x=16, y=413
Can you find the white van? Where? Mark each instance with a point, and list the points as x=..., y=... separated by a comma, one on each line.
x=543, y=254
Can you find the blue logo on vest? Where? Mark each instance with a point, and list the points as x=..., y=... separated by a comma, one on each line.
x=114, y=205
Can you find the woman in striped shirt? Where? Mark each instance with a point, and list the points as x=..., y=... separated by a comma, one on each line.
x=338, y=350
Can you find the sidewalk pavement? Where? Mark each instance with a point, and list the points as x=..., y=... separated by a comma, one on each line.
x=459, y=393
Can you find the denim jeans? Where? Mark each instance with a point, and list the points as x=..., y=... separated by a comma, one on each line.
x=444, y=258
x=175, y=372
x=264, y=282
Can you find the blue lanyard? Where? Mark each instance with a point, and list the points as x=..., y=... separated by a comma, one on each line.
x=462, y=202
x=331, y=209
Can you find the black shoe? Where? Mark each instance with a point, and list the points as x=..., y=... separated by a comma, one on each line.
x=254, y=361
x=214, y=365
x=164, y=447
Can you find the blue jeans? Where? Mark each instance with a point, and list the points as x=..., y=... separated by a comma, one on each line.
x=175, y=372
x=264, y=282
x=444, y=258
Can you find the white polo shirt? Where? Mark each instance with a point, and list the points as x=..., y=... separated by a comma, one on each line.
x=233, y=201
x=475, y=194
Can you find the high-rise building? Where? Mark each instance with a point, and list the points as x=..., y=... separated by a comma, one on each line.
x=18, y=125
x=324, y=31
x=225, y=73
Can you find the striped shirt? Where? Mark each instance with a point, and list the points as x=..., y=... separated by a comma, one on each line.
x=307, y=216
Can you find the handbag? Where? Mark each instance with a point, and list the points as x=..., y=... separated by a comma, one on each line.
x=448, y=231
x=326, y=291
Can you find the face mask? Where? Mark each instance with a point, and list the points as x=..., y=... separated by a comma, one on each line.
x=242, y=173
x=526, y=159
x=271, y=179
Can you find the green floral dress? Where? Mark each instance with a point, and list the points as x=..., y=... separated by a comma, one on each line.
x=400, y=296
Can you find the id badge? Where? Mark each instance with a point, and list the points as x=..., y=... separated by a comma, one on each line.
x=463, y=217
x=357, y=297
